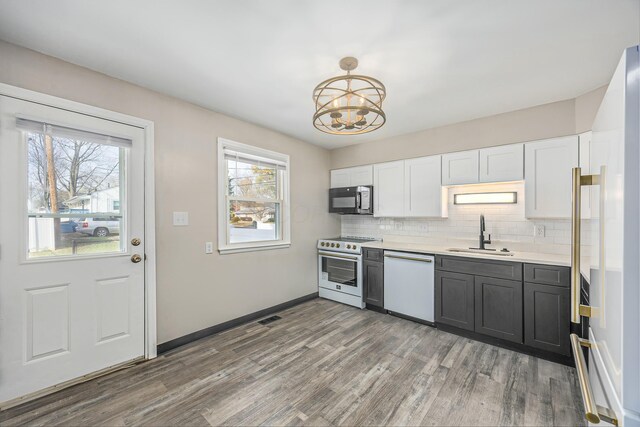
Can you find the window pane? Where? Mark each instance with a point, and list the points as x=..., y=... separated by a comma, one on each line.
x=74, y=196
x=252, y=180
x=253, y=221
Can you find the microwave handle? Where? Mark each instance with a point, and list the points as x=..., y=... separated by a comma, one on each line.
x=359, y=200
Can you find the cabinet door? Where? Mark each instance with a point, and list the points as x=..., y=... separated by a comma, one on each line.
x=547, y=175
x=546, y=317
x=388, y=189
x=454, y=299
x=373, y=279
x=340, y=178
x=504, y=163
x=361, y=175
x=498, y=308
x=460, y=168
x=423, y=188
x=585, y=160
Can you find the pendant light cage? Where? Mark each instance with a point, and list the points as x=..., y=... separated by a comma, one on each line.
x=349, y=104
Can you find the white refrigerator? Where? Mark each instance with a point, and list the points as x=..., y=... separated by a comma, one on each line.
x=610, y=386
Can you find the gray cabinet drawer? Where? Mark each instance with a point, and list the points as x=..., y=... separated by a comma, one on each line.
x=480, y=267
x=547, y=274
x=370, y=254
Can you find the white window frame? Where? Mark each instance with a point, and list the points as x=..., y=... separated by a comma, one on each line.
x=284, y=241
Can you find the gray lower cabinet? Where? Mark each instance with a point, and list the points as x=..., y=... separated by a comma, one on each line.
x=454, y=299
x=546, y=317
x=498, y=308
x=373, y=282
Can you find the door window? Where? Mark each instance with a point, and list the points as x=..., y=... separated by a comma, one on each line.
x=76, y=192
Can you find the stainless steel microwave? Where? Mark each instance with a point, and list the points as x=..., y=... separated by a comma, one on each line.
x=351, y=200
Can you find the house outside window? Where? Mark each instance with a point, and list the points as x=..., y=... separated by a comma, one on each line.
x=253, y=198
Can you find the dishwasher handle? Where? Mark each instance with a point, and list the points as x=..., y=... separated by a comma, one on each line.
x=427, y=260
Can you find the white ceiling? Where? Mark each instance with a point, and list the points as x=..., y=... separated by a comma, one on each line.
x=442, y=61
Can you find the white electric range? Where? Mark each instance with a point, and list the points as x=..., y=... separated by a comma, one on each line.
x=340, y=269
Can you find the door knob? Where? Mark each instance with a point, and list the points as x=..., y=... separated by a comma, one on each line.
x=135, y=241
x=136, y=258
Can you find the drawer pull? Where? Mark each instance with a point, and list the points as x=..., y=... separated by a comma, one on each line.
x=593, y=413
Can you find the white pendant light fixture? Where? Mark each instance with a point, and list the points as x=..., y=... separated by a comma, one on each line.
x=349, y=104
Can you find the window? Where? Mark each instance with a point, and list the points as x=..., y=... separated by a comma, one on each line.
x=253, y=202
x=72, y=174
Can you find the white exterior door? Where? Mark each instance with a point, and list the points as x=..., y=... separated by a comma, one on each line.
x=72, y=296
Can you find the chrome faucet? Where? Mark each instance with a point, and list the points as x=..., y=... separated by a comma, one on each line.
x=482, y=241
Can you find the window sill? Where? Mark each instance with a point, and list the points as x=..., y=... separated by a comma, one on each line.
x=252, y=248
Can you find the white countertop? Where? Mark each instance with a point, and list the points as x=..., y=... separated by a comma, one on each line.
x=528, y=257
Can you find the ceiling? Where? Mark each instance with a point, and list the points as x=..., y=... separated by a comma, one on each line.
x=442, y=61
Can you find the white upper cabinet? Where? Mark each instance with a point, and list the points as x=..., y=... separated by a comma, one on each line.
x=503, y=163
x=351, y=177
x=424, y=194
x=585, y=159
x=460, y=168
x=547, y=175
x=388, y=189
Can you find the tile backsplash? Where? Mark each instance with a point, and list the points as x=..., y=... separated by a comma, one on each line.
x=506, y=223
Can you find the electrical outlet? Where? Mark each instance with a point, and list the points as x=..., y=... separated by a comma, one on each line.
x=208, y=247
x=538, y=230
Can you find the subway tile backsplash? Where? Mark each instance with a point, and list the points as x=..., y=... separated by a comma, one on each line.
x=506, y=223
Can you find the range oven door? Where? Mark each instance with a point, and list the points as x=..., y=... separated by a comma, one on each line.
x=340, y=272
x=351, y=200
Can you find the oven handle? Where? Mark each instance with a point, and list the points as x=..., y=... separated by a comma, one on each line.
x=334, y=255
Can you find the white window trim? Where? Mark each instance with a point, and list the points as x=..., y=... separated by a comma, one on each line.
x=285, y=240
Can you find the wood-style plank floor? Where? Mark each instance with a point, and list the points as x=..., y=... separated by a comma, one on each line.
x=323, y=363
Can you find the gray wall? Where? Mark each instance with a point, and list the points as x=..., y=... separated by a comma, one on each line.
x=196, y=290
x=545, y=121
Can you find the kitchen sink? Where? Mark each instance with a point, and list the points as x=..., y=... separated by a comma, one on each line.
x=480, y=251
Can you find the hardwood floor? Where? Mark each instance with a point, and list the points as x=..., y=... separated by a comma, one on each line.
x=323, y=363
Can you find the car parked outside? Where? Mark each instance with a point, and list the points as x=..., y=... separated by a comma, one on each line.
x=68, y=226
x=99, y=227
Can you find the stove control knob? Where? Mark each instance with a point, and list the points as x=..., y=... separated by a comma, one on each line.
x=321, y=243
x=337, y=245
x=354, y=247
x=333, y=245
x=348, y=246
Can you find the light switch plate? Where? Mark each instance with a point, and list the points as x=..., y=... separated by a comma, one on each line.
x=208, y=247
x=538, y=230
x=181, y=218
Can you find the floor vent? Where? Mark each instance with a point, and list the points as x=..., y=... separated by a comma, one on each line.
x=269, y=320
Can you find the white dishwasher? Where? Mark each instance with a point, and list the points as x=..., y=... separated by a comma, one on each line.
x=409, y=284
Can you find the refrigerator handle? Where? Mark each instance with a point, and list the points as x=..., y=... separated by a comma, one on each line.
x=577, y=181
x=592, y=411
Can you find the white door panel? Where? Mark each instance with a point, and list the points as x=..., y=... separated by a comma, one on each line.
x=71, y=302
x=615, y=210
x=388, y=189
x=460, y=168
x=502, y=163
x=547, y=175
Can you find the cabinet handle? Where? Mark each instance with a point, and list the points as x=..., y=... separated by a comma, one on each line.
x=409, y=258
x=592, y=412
